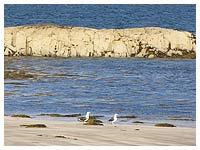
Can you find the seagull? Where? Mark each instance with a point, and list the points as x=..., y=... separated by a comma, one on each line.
x=113, y=119
x=87, y=116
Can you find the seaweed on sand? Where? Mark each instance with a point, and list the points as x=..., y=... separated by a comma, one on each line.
x=33, y=125
x=20, y=115
x=93, y=122
x=91, y=117
x=138, y=122
x=164, y=125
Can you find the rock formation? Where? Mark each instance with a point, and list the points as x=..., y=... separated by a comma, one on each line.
x=64, y=41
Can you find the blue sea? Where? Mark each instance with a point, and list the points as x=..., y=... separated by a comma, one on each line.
x=154, y=90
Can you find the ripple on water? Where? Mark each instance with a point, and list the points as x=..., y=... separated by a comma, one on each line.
x=107, y=91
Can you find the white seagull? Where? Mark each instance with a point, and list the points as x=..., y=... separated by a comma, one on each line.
x=87, y=116
x=113, y=119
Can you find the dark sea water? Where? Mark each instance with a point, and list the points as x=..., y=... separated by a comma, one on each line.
x=181, y=17
x=152, y=89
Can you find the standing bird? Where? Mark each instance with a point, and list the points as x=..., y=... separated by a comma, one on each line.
x=87, y=116
x=113, y=119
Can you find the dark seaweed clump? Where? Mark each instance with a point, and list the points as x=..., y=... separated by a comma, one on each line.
x=127, y=116
x=14, y=83
x=60, y=136
x=60, y=115
x=20, y=115
x=17, y=75
x=34, y=125
x=93, y=122
x=164, y=125
x=180, y=118
x=138, y=122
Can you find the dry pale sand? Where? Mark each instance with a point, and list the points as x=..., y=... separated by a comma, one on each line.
x=76, y=134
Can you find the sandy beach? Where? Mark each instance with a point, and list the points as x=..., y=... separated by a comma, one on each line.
x=76, y=134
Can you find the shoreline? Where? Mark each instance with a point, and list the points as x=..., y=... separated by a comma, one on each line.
x=121, y=121
x=98, y=57
x=75, y=134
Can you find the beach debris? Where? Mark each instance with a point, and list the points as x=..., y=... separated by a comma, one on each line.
x=113, y=119
x=127, y=116
x=60, y=115
x=93, y=122
x=138, y=122
x=164, y=125
x=33, y=125
x=20, y=115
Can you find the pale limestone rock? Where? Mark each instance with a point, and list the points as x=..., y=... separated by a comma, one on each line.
x=173, y=52
x=118, y=47
x=63, y=41
x=142, y=53
x=151, y=56
x=102, y=41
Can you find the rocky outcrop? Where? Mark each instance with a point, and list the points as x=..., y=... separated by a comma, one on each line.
x=63, y=41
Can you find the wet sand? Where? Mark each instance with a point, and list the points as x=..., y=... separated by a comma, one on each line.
x=76, y=134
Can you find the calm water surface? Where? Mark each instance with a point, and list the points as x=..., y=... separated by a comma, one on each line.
x=153, y=90
x=181, y=17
